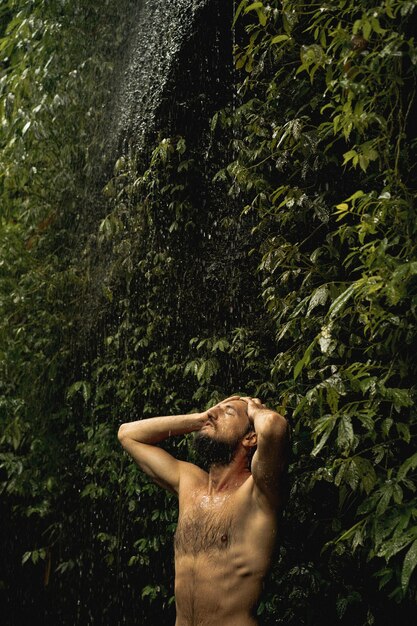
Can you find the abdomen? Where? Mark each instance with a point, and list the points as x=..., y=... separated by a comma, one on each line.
x=217, y=588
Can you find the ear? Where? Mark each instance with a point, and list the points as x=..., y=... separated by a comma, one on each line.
x=250, y=440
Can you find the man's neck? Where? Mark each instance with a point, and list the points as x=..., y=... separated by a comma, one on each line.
x=228, y=477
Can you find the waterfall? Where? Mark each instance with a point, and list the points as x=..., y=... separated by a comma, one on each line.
x=177, y=58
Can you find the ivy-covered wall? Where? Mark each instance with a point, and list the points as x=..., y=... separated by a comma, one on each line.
x=268, y=249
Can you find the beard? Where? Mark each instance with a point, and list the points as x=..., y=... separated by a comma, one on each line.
x=208, y=451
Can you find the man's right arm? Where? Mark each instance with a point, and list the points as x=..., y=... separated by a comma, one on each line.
x=139, y=439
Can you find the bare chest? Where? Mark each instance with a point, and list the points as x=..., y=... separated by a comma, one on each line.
x=207, y=523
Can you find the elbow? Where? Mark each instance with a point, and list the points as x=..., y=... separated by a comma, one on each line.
x=275, y=425
x=121, y=433
x=281, y=424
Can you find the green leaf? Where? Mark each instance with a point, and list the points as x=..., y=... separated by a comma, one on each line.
x=409, y=565
x=386, y=492
x=239, y=11
x=254, y=6
x=339, y=303
x=367, y=474
x=345, y=433
x=305, y=360
x=394, y=545
x=318, y=297
x=347, y=156
x=406, y=466
x=280, y=38
x=80, y=385
x=214, y=121
x=26, y=128
x=262, y=17
x=323, y=423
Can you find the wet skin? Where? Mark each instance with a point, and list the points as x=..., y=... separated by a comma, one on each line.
x=223, y=545
x=227, y=524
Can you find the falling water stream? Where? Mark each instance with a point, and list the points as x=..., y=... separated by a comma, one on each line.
x=175, y=72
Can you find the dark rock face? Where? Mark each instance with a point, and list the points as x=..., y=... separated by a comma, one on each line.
x=175, y=72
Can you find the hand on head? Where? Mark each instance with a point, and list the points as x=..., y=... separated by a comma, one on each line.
x=253, y=405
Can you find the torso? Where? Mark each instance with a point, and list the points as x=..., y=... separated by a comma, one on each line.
x=223, y=547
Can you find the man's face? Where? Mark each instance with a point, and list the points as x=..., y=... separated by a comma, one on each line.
x=227, y=421
x=217, y=442
x=226, y=427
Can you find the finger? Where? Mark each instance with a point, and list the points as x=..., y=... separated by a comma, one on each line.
x=249, y=400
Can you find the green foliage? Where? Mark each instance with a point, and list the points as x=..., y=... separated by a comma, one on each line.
x=283, y=267
x=50, y=114
x=329, y=88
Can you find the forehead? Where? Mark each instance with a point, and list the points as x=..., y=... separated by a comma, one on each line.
x=237, y=405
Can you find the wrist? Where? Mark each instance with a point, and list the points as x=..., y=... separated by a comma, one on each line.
x=198, y=420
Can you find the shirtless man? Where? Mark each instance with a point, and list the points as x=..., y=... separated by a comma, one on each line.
x=227, y=523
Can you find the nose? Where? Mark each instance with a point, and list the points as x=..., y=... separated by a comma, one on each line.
x=212, y=414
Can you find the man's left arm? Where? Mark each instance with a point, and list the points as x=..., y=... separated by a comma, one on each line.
x=270, y=459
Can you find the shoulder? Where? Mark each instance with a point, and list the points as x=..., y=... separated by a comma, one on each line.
x=191, y=475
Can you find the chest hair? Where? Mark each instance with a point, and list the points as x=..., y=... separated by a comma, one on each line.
x=204, y=529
